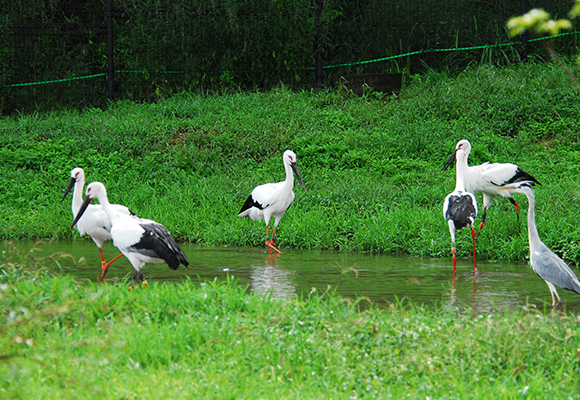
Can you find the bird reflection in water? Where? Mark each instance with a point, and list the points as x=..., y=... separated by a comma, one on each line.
x=269, y=278
x=453, y=300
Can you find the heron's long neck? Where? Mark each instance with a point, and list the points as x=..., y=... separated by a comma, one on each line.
x=77, y=197
x=533, y=236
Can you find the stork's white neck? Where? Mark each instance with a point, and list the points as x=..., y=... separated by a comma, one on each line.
x=461, y=167
x=289, y=182
x=104, y=201
x=460, y=172
x=77, y=197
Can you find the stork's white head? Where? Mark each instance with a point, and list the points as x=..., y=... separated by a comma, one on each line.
x=461, y=152
x=289, y=158
x=464, y=146
x=95, y=190
x=76, y=175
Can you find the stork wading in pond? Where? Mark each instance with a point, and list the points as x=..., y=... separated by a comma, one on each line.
x=545, y=263
x=273, y=199
x=460, y=210
x=94, y=221
x=140, y=240
x=488, y=178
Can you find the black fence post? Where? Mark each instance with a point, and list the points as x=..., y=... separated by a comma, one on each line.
x=111, y=65
x=319, y=41
x=319, y=71
x=525, y=34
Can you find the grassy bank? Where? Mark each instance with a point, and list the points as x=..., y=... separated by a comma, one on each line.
x=371, y=164
x=62, y=338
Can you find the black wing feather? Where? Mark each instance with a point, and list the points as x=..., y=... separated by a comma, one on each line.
x=250, y=202
x=157, y=242
x=461, y=211
x=522, y=176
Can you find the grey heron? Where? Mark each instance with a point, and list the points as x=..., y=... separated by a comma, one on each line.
x=544, y=261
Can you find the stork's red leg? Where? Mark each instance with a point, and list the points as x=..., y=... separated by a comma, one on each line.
x=473, y=238
x=107, y=265
x=454, y=258
x=517, y=206
x=270, y=240
x=274, y=233
x=482, y=222
x=102, y=262
x=271, y=246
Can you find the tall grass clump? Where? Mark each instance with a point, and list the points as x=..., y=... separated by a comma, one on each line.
x=371, y=164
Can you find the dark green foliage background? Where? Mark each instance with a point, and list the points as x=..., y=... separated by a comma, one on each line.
x=243, y=43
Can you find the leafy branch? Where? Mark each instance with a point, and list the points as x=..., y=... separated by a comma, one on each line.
x=540, y=22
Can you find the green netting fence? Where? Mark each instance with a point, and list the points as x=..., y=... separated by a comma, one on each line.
x=64, y=52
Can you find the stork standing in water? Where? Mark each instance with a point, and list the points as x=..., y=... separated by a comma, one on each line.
x=273, y=199
x=551, y=268
x=488, y=178
x=460, y=210
x=140, y=240
x=94, y=221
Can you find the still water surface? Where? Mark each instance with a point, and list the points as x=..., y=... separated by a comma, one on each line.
x=381, y=278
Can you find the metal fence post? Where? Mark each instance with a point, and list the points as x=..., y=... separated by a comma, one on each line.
x=111, y=66
x=319, y=73
x=319, y=62
x=525, y=34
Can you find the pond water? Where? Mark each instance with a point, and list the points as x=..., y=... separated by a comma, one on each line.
x=382, y=278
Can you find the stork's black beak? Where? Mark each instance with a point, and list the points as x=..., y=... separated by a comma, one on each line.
x=83, y=208
x=295, y=169
x=449, y=161
x=68, y=188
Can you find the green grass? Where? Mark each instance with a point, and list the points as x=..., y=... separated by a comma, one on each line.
x=372, y=169
x=63, y=338
x=371, y=164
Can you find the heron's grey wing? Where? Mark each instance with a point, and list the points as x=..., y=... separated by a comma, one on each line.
x=553, y=269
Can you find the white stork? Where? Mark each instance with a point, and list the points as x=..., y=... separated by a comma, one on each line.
x=140, y=240
x=488, y=178
x=273, y=199
x=460, y=210
x=95, y=221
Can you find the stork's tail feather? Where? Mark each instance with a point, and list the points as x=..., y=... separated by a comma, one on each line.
x=248, y=205
x=176, y=258
x=523, y=176
x=156, y=241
